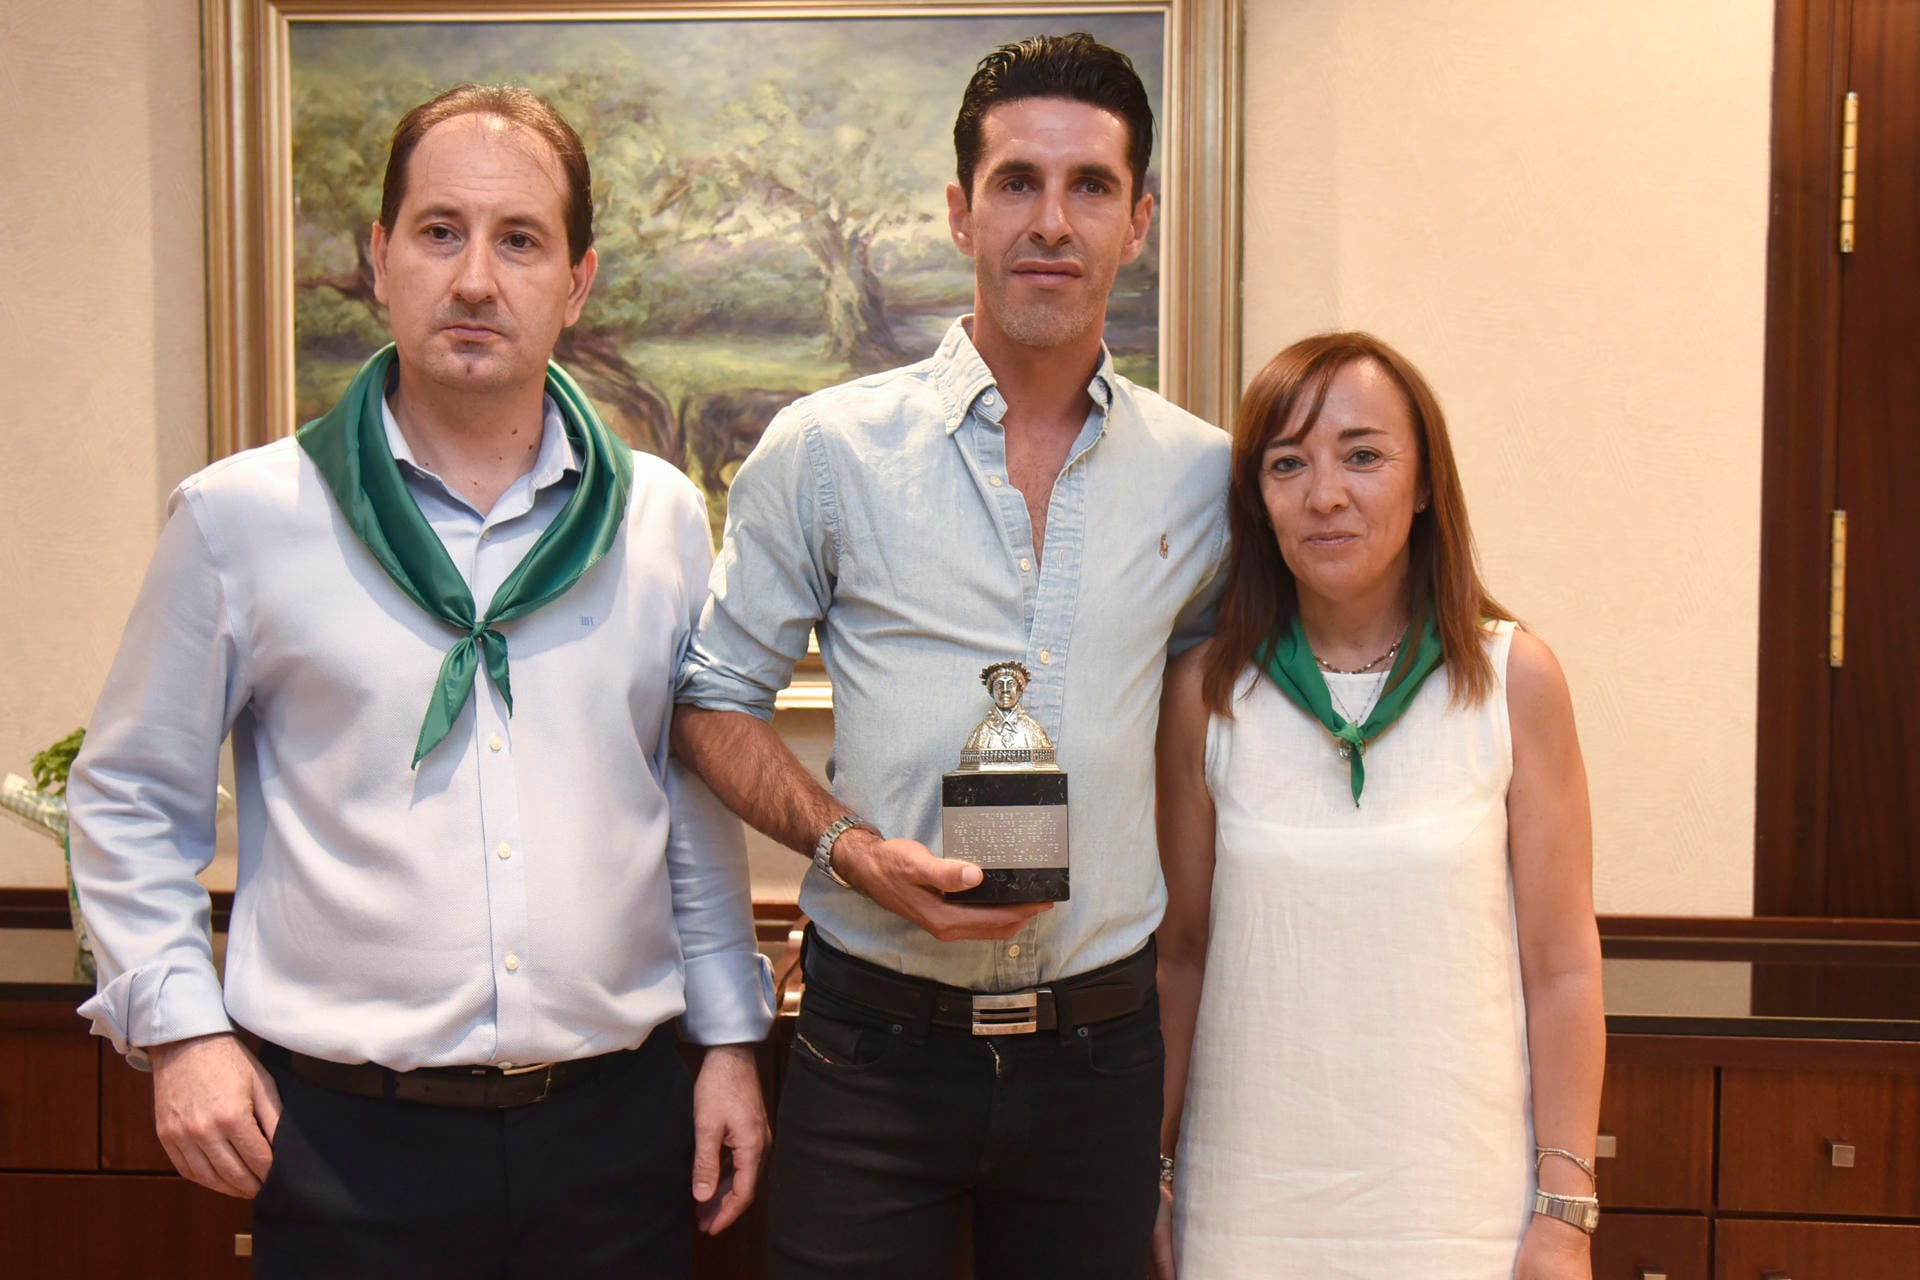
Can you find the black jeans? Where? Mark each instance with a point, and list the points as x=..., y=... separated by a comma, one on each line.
x=883, y=1133
x=592, y=1182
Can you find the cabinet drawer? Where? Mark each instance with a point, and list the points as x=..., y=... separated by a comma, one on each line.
x=1659, y=1121
x=85, y=1225
x=49, y=1107
x=1756, y=1249
x=128, y=1143
x=1650, y=1246
x=1820, y=1142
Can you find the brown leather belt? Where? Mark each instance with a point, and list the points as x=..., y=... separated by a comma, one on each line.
x=477, y=1088
x=1098, y=995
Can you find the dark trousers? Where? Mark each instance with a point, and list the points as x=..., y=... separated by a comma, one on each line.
x=592, y=1182
x=884, y=1133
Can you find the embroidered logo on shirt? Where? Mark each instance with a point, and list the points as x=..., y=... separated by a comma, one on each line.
x=586, y=619
x=1163, y=546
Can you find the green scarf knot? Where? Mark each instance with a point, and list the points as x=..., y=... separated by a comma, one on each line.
x=348, y=445
x=1288, y=660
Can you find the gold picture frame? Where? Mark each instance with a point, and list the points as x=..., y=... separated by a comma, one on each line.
x=250, y=213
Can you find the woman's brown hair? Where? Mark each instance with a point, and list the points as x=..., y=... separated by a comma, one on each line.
x=1441, y=573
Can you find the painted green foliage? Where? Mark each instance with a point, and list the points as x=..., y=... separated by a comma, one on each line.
x=768, y=202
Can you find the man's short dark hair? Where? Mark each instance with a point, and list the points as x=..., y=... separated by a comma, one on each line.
x=515, y=106
x=1076, y=67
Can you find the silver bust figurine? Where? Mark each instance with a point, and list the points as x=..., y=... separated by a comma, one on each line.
x=1009, y=738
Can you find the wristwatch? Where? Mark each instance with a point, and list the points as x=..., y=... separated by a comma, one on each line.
x=823, y=848
x=1581, y=1211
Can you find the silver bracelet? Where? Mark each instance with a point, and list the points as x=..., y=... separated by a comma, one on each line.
x=1540, y=1155
x=1166, y=1169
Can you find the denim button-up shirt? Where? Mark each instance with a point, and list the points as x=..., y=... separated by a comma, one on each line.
x=545, y=885
x=881, y=513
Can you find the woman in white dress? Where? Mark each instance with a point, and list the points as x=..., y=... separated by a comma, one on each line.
x=1379, y=971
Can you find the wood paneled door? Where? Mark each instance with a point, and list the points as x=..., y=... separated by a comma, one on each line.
x=1839, y=716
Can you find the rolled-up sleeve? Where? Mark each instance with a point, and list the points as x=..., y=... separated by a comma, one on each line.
x=729, y=984
x=774, y=577
x=141, y=798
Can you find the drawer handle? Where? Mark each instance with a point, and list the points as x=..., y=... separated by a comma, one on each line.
x=243, y=1245
x=1606, y=1147
x=1840, y=1154
x=1776, y=1274
x=1646, y=1274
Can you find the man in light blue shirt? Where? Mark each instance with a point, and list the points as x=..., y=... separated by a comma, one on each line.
x=1011, y=498
x=444, y=1044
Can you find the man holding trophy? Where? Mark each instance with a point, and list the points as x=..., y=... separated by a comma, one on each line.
x=980, y=1016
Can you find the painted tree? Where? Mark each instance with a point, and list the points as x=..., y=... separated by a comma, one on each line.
x=816, y=160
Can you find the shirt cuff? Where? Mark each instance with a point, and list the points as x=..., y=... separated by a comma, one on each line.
x=729, y=998
x=157, y=1003
x=709, y=690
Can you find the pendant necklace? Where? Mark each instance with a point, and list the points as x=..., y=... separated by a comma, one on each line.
x=1345, y=751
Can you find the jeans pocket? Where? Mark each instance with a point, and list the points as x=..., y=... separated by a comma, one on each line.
x=1124, y=1046
x=838, y=1045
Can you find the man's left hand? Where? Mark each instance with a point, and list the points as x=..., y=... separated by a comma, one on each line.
x=730, y=1135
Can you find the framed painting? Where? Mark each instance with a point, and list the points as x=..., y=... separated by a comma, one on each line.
x=768, y=186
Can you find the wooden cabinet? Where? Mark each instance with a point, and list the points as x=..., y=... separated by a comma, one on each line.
x=1820, y=1142
x=1650, y=1246
x=1767, y=1156
x=1758, y=1249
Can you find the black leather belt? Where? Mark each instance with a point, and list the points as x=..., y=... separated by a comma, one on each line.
x=1082, y=1000
x=478, y=1088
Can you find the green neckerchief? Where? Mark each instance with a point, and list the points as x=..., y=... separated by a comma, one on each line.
x=1290, y=661
x=349, y=446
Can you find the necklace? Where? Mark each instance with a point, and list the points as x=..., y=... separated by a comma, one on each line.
x=1340, y=706
x=1364, y=667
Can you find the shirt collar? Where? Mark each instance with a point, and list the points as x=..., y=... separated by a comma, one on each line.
x=963, y=378
x=554, y=460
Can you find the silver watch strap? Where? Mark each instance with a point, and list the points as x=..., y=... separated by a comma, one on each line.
x=1580, y=1211
x=823, y=848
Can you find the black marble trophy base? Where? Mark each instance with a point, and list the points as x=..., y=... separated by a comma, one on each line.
x=990, y=817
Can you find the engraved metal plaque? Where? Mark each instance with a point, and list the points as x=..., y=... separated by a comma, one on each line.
x=1005, y=808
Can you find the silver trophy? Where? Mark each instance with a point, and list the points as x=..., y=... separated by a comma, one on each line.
x=1005, y=808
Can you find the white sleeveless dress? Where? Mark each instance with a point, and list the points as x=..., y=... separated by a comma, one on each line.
x=1358, y=1104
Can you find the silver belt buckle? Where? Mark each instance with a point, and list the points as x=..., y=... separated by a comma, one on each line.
x=1015, y=1014
x=546, y=1085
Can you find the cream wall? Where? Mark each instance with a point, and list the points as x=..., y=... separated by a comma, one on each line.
x=1557, y=210
x=102, y=346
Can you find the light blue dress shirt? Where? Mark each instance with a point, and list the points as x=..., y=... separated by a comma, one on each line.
x=545, y=886
x=882, y=513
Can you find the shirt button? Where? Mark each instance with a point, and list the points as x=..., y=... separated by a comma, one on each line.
x=994, y=481
x=988, y=399
x=1046, y=656
x=1013, y=952
x=495, y=743
x=1026, y=565
x=513, y=963
x=504, y=852
x=486, y=535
